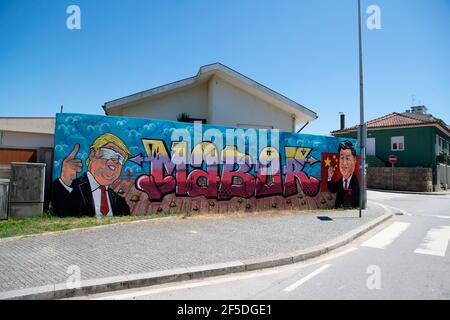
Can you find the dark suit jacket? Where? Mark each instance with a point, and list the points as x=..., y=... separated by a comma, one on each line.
x=345, y=198
x=80, y=201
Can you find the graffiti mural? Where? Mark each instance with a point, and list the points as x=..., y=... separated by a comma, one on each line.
x=341, y=170
x=106, y=166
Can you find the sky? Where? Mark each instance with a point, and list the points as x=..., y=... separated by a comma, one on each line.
x=306, y=50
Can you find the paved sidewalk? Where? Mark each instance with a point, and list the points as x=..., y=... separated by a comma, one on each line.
x=167, y=244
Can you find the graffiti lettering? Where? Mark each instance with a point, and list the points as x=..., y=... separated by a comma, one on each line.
x=296, y=159
x=206, y=176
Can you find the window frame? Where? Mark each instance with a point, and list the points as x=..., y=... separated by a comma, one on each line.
x=395, y=140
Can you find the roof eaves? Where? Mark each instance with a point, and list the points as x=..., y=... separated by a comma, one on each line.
x=214, y=67
x=346, y=130
x=150, y=92
x=255, y=84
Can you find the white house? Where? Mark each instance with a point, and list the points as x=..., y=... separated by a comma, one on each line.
x=217, y=95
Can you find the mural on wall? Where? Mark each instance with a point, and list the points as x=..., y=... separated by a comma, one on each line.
x=341, y=175
x=107, y=166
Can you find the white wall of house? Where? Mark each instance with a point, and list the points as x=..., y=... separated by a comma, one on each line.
x=191, y=100
x=217, y=101
x=27, y=132
x=44, y=125
x=231, y=106
x=25, y=140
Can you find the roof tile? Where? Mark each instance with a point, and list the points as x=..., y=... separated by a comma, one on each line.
x=392, y=120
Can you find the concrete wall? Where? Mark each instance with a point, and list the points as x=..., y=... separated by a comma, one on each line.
x=25, y=140
x=408, y=179
x=45, y=125
x=231, y=106
x=193, y=101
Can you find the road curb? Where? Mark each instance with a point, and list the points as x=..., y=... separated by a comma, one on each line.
x=88, y=287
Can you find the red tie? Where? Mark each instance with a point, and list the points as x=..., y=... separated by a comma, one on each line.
x=345, y=184
x=104, y=209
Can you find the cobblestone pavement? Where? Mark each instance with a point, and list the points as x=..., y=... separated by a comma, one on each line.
x=166, y=244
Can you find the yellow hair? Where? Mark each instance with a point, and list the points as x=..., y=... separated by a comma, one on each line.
x=106, y=138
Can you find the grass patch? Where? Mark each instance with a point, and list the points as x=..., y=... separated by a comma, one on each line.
x=48, y=223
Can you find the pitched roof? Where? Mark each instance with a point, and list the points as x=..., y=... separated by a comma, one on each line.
x=243, y=82
x=395, y=119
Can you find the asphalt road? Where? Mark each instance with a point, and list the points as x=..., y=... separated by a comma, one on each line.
x=405, y=258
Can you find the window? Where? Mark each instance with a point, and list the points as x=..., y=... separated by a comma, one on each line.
x=370, y=147
x=437, y=145
x=398, y=143
x=442, y=145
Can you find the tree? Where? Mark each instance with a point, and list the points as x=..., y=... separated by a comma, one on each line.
x=443, y=158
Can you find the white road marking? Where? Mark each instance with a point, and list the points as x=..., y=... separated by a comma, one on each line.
x=401, y=211
x=391, y=208
x=386, y=236
x=443, y=217
x=213, y=281
x=407, y=213
x=298, y=283
x=435, y=242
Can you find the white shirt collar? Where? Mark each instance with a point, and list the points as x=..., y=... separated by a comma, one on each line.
x=348, y=179
x=94, y=184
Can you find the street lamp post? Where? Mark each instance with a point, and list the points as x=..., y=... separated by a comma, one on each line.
x=362, y=129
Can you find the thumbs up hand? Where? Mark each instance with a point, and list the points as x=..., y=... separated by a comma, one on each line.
x=71, y=166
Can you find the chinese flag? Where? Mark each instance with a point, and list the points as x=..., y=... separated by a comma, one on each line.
x=330, y=159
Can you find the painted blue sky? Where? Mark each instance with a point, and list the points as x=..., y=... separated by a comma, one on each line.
x=306, y=50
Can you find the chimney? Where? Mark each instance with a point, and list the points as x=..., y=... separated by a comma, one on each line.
x=419, y=110
x=342, y=120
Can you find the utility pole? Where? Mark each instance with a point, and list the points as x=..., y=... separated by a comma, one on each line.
x=362, y=128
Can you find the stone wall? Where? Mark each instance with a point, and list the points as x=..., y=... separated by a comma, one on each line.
x=408, y=179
